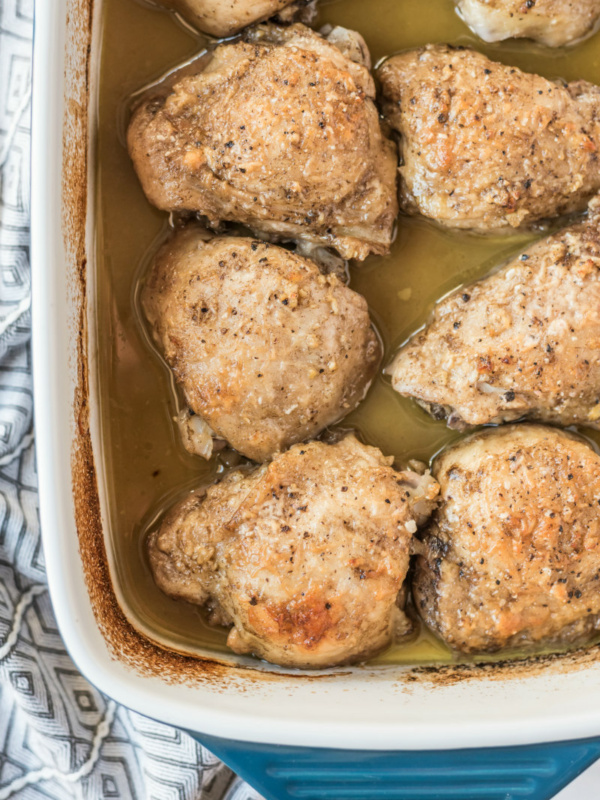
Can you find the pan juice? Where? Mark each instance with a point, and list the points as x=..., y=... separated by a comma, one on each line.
x=145, y=465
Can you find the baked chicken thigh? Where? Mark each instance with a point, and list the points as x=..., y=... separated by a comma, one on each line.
x=225, y=18
x=305, y=557
x=512, y=556
x=278, y=132
x=523, y=342
x=552, y=22
x=268, y=351
x=485, y=146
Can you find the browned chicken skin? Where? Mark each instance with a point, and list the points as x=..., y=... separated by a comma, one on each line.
x=523, y=342
x=486, y=146
x=305, y=557
x=512, y=556
x=552, y=22
x=267, y=350
x=278, y=132
x=227, y=17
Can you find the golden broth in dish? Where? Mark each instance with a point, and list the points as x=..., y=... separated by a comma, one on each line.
x=146, y=467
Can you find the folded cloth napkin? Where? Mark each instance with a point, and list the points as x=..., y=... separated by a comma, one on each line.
x=59, y=737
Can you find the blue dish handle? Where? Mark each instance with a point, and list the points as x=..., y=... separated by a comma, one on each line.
x=535, y=772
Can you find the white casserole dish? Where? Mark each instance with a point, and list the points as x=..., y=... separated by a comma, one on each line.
x=391, y=707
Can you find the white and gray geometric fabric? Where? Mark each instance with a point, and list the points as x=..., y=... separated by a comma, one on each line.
x=59, y=737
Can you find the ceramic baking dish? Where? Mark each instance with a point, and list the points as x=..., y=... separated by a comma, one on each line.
x=373, y=718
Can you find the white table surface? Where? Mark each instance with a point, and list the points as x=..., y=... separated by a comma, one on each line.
x=586, y=787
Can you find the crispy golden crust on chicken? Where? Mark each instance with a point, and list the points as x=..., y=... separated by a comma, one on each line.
x=305, y=557
x=512, y=556
x=268, y=350
x=552, y=22
x=486, y=146
x=524, y=342
x=279, y=132
x=223, y=18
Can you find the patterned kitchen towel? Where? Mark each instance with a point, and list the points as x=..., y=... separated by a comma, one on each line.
x=59, y=737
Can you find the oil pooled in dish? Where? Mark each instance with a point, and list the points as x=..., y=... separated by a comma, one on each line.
x=146, y=466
